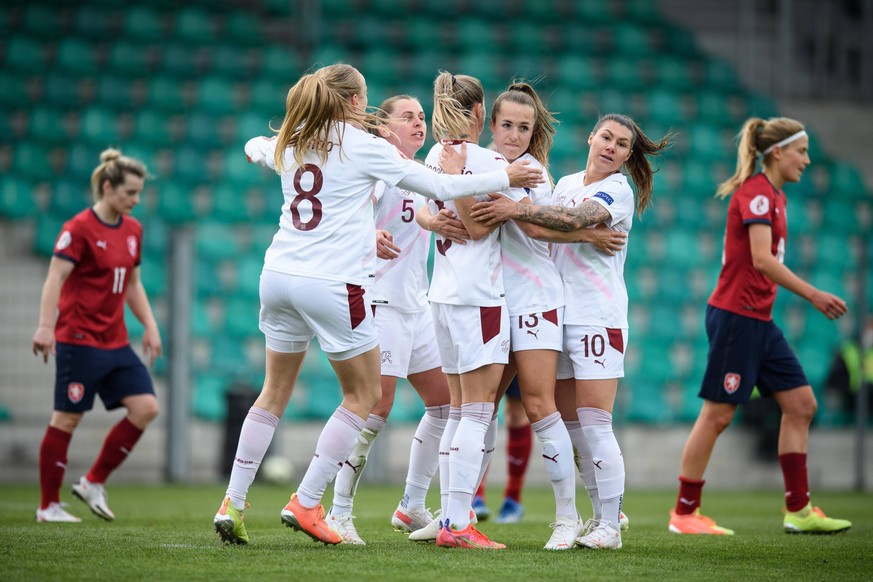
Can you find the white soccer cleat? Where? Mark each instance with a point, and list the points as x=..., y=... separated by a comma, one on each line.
x=55, y=513
x=94, y=496
x=623, y=521
x=601, y=537
x=428, y=533
x=564, y=534
x=410, y=520
x=344, y=525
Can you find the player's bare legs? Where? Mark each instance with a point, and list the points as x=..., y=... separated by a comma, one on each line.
x=798, y=409
x=282, y=371
x=713, y=419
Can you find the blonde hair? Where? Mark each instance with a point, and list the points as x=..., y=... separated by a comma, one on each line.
x=453, y=100
x=114, y=167
x=543, y=133
x=638, y=165
x=755, y=137
x=313, y=105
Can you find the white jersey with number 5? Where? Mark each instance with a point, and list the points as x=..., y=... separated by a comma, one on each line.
x=469, y=274
x=532, y=282
x=401, y=283
x=594, y=288
x=326, y=229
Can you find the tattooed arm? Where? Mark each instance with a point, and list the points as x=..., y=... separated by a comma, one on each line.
x=554, y=217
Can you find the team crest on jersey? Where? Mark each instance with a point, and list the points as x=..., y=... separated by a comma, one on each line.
x=131, y=245
x=64, y=240
x=760, y=205
x=731, y=382
x=75, y=392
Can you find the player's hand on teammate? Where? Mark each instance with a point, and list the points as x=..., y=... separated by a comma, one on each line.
x=44, y=342
x=605, y=239
x=523, y=175
x=497, y=210
x=151, y=344
x=385, y=247
x=447, y=224
x=832, y=306
x=451, y=160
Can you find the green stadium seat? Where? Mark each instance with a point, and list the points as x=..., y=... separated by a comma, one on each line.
x=181, y=60
x=241, y=316
x=152, y=128
x=715, y=108
x=593, y=12
x=190, y=165
x=230, y=61
x=761, y=106
x=216, y=241
x=16, y=198
x=156, y=236
x=249, y=275
x=483, y=66
x=664, y=326
x=642, y=11
x=673, y=73
x=195, y=25
x=47, y=125
x=840, y=215
x=631, y=39
x=240, y=173
x=242, y=28
x=666, y=107
x=698, y=180
x=846, y=181
x=283, y=64
x=130, y=59
x=678, y=40
x=209, y=396
x=100, y=126
x=14, y=91
x=94, y=22
x=77, y=56
x=29, y=161
x=41, y=20
x=143, y=23
x=710, y=143
x=153, y=273
x=167, y=93
x=25, y=53
x=262, y=235
x=719, y=75
x=646, y=404
x=48, y=227
x=116, y=92
x=61, y=90
x=624, y=73
x=176, y=202
x=835, y=250
x=70, y=197
x=216, y=95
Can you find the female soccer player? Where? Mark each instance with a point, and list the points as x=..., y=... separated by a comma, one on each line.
x=94, y=271
x=595, y=314
x=746, y=348
x=398, y=299
x=314, y=272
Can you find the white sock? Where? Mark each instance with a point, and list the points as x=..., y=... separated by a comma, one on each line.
x=466, y=460
x=336, y=441
x=557, y=454
x=445, y=456
x=488, y=449
x=254, y=440
x=584, y=464
x=424, y=455
x=346, y=484
x=606, y=458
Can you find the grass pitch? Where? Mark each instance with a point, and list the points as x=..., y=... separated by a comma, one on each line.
x=166, y=533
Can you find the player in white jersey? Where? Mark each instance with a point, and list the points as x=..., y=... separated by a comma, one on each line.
x=314, y=272
x=595, y=316
x=398, y=299
x=472, y=325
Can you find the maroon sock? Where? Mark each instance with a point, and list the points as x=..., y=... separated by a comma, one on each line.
x=796, y=480
x=52, y=464
x=690, y=492
x=517, y=454
x=118, y=444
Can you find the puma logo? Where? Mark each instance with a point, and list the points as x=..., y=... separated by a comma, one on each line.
x=354, y=467
x=534, y=333
x=601, y=362
x=552, y=459
x=102, y=244
x=597, y=464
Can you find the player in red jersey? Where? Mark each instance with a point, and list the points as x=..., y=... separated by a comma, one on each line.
x=746, y=348
x=94, y=271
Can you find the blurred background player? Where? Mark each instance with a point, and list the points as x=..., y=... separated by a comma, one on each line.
x=311, y=286
x=595, y=317
x=95, y=270
x=398, y=299
x=746, y=347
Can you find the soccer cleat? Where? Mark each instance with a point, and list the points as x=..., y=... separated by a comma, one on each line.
x=344, y=525
x=468, y=538
x=696, y=523
x=94, y=496
x=410, y=520
x=601, y=537
x=428, y=533
x=564, y=534
x=812, y=520
x=309, y=520
x=55, y=513
x=229, y=524
x=480, y=509
x=623, y=521
x=589, y=525
x=511, y=511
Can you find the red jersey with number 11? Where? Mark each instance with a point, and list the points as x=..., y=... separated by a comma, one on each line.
x=91, y=307
x=741, y=289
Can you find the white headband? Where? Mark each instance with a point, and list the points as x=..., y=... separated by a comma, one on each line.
x=786, y=141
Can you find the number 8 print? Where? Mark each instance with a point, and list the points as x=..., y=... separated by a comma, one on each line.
x=309, y=195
